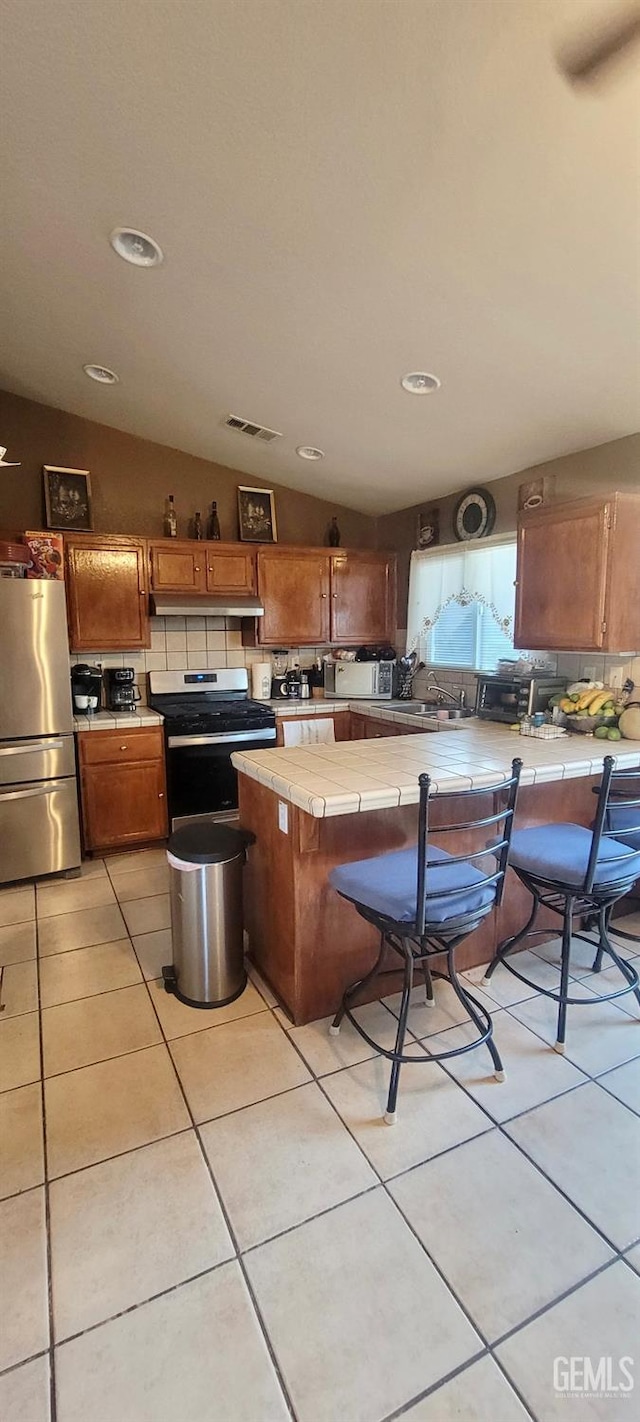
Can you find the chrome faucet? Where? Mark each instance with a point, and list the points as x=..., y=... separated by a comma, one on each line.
x=459, y=700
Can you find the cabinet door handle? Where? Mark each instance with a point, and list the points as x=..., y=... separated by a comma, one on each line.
x=198, y=570
x=335, y=594
x=142, y=592
x=161, y=794
x=323, y=594
x=123, y=747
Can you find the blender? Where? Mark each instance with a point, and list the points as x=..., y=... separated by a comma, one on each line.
x=279, y=686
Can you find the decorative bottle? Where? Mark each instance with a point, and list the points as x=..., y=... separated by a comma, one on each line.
x=197, y=526
x=213, y=525
x=170, y=521
x=334, y=533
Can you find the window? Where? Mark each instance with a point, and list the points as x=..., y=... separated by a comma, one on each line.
x=461, y=604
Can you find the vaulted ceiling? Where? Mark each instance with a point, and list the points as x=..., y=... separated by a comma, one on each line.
x=345, y=191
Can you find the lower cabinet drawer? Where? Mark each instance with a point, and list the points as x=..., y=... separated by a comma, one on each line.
x=111, y=747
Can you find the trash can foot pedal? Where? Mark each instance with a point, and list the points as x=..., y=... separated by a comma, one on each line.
x=169, y=979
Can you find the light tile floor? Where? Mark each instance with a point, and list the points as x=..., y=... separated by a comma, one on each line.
x=203, y=1217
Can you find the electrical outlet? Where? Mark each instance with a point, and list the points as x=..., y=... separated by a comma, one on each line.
x=616, y=678
x=589, y=673
x=283, y=816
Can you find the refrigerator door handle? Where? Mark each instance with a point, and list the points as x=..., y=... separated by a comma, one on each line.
x=46, y=789
x=24, y=747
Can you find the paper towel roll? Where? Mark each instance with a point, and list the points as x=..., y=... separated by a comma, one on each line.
x=261, y=681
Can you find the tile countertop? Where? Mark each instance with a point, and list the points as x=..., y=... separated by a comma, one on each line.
x=109, y=721
x=351, y=776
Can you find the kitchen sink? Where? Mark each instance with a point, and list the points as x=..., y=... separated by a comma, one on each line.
x=431, y=708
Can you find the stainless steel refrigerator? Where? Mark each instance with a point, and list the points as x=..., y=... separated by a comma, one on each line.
x=39, y=827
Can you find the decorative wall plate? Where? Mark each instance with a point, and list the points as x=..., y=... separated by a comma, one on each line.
x=474, y=515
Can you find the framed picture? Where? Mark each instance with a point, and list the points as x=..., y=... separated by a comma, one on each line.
x=428, y=528
x=67, y=498
x=257, y=515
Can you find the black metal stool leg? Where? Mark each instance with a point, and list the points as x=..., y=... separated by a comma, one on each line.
x=603, y=917
x=355, y=988
x=428, y=983
x=510, y=943
x=390, y=1113
x=468, y=1003
x=564, y=976
x=624, y=968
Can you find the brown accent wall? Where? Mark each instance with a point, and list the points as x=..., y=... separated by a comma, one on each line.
x=130, y=479
x=591, y=471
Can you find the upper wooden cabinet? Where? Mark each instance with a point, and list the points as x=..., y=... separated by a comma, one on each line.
x=363, y=597
x=193, y=567
x=107, y=595
x=178, y=567
x=313, y=596
x=578, y=578
x=294, y=585
x=230, y=570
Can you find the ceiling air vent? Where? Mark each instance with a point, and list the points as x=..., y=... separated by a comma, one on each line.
x=249, y=427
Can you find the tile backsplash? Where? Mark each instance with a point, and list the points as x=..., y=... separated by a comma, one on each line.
x=192, y=643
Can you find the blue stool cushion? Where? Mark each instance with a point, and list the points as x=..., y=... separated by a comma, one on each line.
x=561, y=853
x=625, y=824
x=387, y=885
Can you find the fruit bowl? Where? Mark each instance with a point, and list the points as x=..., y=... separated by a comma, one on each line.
x=586, y=725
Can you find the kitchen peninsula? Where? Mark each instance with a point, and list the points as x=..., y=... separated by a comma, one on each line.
x=313, y=807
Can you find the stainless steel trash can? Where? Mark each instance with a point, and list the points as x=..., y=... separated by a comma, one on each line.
x=206, y=915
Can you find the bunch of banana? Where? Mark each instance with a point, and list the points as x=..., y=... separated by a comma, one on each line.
x=592, y=702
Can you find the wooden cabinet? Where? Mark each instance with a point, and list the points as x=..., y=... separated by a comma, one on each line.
x=371, y=728
x=178, y=567
x=312, y=596
x=578, y=577
x=122, y=787
x=230, y=570
x=294, y=584
x=107, y=594
x=190, y=567
x=363, y=597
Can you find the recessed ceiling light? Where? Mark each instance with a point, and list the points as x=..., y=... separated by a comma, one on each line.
x=307, y=451
x=419, y=382
x=136, y=247
x=102, y=374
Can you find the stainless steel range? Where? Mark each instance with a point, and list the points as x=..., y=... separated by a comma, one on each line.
x=207, y=715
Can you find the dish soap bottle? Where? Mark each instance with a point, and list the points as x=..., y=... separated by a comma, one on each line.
x=170, y=523
x=213, y=525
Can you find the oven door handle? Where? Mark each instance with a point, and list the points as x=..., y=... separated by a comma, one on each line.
x=226, y=738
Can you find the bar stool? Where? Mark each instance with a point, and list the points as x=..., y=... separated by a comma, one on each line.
x=621, y=815
x=577, y=872
x=426, y=906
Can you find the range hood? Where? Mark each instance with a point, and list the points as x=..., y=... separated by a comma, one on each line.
x=184, y=605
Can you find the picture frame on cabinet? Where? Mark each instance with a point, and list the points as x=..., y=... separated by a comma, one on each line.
x=256, y=515
x=67, y=498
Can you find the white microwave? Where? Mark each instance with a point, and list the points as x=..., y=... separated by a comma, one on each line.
x=359, y=679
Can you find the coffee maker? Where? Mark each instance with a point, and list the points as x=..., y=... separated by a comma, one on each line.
x=122, y=692
x=86, y=689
